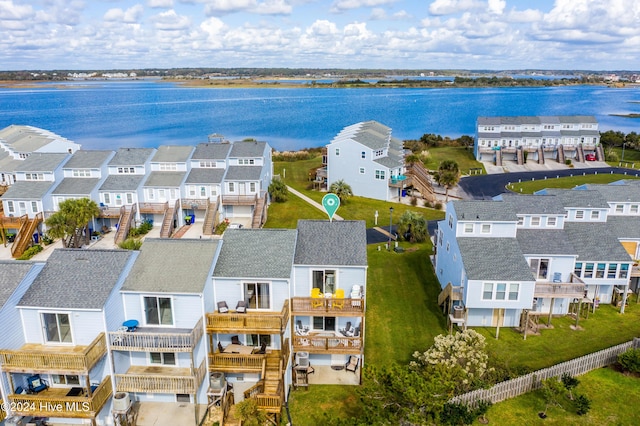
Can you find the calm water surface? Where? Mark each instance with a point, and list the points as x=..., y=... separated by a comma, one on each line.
x=102, y=115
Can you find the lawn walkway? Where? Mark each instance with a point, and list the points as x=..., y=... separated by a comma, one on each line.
x=310, y=201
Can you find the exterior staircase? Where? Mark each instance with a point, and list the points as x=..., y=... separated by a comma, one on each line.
x=24, y=236
x=520, y=155
x=421, y=180
x=498, y=157
x=540, y=155
x=124, y=223
x=167, y=222
x=580, y=154
x=260, y=212
x=561, y=156
x=599, y=153
x=211, y=217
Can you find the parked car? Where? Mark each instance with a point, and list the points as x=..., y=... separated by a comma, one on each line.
x=235, y=225
x=591, y=157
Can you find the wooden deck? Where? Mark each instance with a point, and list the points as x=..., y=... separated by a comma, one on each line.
x=36, y=358
x=572, y=289
x=240, y=200
x=319, y=344
x=54, y=402
x=320, y=306
x=160, y=379
x=236, y=363
x=253, y=322
x=160, y=340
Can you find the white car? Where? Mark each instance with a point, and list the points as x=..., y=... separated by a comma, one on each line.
x=235, y=225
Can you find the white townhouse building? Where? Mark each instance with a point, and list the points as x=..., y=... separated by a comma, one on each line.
x=541, y=137
x=369, y=159
x=498, y=261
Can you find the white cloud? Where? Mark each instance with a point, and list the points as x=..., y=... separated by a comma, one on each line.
x=379, y=14
x=450, y=7
x=273, y=7
x=131, y=15
x=15, y=12
x=170, y=21
x=342, y=5
x=160, y=4
x=496, y=6
x=322, y=28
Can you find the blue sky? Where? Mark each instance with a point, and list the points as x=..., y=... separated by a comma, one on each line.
x=407, y=34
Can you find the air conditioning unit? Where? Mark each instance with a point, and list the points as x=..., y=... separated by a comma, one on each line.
x=121, y=401
x=303, y=359
x=217, y=381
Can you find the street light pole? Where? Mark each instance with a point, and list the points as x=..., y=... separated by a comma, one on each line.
x=390, y=222
x=623, y=144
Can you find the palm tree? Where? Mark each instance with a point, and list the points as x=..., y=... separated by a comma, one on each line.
x=342, y=190
x=448, y=175
x=278, y=191
x=412, y=227
x=71, y=219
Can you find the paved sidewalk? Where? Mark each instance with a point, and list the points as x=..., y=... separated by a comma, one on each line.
x=310, y=201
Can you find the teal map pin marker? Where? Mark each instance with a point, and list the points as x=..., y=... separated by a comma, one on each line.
x=330, y=202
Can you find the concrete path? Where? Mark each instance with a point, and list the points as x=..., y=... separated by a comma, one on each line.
x=310, y=201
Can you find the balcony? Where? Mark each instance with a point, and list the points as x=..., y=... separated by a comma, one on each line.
x=153, y=208
x=54, y=402
x=236, y=363
x=194, y=203
x=157, y=379
x=397, y=181
x=157, y=339
x=3, y=413
x=36, y=358
x=574, y=288
x=635, y=270
x=240, y=200
x=325, y=344
x=253, y=322
x=336, y=307
x=268, y=402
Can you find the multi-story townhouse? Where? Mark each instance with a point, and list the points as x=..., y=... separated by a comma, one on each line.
x=62, y=371
x=163, y=356
x=249, y=333
x=552, y=137
x=328, y=298
x=369, y=159
x=15, y=279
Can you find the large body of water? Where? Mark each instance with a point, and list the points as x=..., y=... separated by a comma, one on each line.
x=108, y=115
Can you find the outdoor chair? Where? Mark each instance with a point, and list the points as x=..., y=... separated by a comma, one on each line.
x=36, y=383
x=348, y=330
x=235, y=340
x=338, y=300
x=262, y=350
x=241, y=307
x=222, y=307
x=220, y=347
x=557, y=277
x=352, y=364
x=301, y=330
x=317, y=297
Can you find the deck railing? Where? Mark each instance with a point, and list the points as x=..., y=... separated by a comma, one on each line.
x=52, y=359
x=161, y=383
x=143, y=341
x=3, y=413
x=194, y=203
x=327, y=344
x=574, y=288
x=238, y=363
x=266, y=402
x=54, y=403
x=240, y=200
x=153, y=208
x=251, y=322
x=312, y=305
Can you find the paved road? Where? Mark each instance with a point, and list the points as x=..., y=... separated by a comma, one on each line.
x=484, y=187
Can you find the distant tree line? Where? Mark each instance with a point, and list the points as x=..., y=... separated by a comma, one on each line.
x=613, y=138
x=430, y=140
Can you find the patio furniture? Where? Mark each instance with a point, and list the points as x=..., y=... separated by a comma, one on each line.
x=132, y=325
x=220, y=347
x=352, y=364
x=222, y=307
x=557, y=277
x=241, y=307
x=301, y=330
x=36, y=383
x=317, y=297
x=235, y=340
x=338, y=300
x=348, y=331
x=238, y=349
x=262, y=350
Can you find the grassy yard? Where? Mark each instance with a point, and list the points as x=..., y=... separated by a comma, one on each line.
x=530, y=187
x=613, y=397
x=461, y=155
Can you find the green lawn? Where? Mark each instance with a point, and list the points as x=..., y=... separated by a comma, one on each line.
x=530, y=187
x=613, y=397
x=461, y=155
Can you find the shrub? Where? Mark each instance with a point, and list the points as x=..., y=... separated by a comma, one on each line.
x=278, y=191
x=567, y=161
x=428, y=203
x=222, y=226
x=46, y=240
x=630, y=360
x=414, y=201
x=583, y=405
x=30, y=252
x=438, y=206
x=131, y=244
x=456, y=414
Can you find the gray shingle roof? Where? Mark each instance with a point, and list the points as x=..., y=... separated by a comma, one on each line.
x=165, y=179
x=391, y=162
x=28, y=190
x=76, y=186
x=545, y=241
x=534, y=204
x=579, y=198
x=28, y=138
x=243, y=173
x=494, y=259
x=77, y=279
x=131, y=156
x=205, y=176
x=256, y=253
x=484, y=210
x=42, y=162
x=122, y=182
x=211, y=151
x=172, y=266
x=617, y=193
x=9, y=164
x=12, y=272
x=87, y=159
x=595, y=241
x=624, y=227
x=321, y=242
x=247, y=149
x=172, y=154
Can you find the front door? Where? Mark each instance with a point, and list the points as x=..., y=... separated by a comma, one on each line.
x=22, y=208
x=498, y=318
x=242, y=188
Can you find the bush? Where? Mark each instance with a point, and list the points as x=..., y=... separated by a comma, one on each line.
x=131, y=244
x=30, y=252
x=630, y=360
x=414, y=201
x=583, y=405
x=438, y=205
x=567, y=161
x=456, y=414
x=46, y=240
x=222, y=226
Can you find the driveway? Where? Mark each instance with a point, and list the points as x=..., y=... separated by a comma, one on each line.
x=483, y=187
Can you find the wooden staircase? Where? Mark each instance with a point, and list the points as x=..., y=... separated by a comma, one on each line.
x=24, y=236
x=498, y=157
x=127, y=215
x=421, y=180
x=211, y=217
x=561, y=156
x=540, y=155
x=260, y=212
x=167, y=221
x=520, y=155
x=599, y=153
x=580, y=154
x=449, y=293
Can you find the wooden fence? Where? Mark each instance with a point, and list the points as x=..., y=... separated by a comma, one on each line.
x=532, y=381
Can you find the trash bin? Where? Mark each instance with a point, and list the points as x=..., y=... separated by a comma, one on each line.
x=404, y=192
x=187, y=220
x=36, y=237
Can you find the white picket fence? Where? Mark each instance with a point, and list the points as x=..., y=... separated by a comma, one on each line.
x=523, y=384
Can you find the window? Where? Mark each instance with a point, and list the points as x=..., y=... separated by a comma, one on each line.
x=162, y=358
x=577, y=270
x=514, y=289
x=126, y=170
x=579, y=214
x=34, y=176
x=451, y=221
x=252, y=187
x=65, y=379
x=168, y=167
x=468, y=228
x=539, y=267
x=57, y=327
x=129, y=198
x=207, y=164
x=34, y=206
x=619, y=208
x=535, y=221
x=588, y=270
x=151, y=194
x=258, y=339
x=158, y=310
x=325, y=280
x=10, y=207
x=551, y=221
x=337, y=152
x=600, y=270
x=520, y=220
x=624, y=270
x=501, y=289
x=107, y=198
x=246, y=161
x=361, y=170
x=118, y=199
x=487, y=293
x=257, y=295
x=81, y=173
x=633, y=209
x=486, y=228
x=324, y=323
x=447, y=247
x=231, y=187
x=363, y=154
x=203, y=191
x=611, y=273
x=595, y=214
x=379, y=174
x=192, y=191
x=380, y=153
